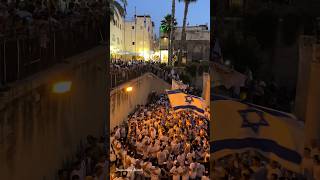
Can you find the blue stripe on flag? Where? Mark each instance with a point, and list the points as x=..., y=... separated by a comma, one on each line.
x=174, y=92
x=189, y=107
x=265, y=145
x=195, y=97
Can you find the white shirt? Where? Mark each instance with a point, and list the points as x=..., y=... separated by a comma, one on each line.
x=181, y=158
x=176, y=173
x=193, y=170
x=117, y=134
x=161, y=155
x=185, y=173
x=200, y=170
x=155, y=174
x=190, y=156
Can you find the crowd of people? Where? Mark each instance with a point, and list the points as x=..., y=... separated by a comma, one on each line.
x=251, y=165
x=269, y=94
x=90, y=162
x=122, y=71
x=33, y=17
x=159, y=143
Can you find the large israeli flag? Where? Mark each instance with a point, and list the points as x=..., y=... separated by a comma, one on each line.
x=238, y=126
x=182, y=101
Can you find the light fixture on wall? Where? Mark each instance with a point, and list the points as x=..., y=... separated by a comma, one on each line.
x=129, y=89
x=62, y=87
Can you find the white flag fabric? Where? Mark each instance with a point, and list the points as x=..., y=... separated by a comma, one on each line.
x=241, y=126
x=182, y=101
x=178, y=85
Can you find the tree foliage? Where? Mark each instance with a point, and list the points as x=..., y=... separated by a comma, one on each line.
x=166, y=24
x=117, y=8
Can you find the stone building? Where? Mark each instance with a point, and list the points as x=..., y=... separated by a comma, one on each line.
x=198, y=42
x=117, y=34
x=139, y=36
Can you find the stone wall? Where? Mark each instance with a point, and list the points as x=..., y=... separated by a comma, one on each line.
x=196, y=49
x=122, y=103
x=40, y=130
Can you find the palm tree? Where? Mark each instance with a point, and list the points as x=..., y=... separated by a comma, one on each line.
x=116, y=9
x=173, y=9
x=166, y=24
x=183, y=33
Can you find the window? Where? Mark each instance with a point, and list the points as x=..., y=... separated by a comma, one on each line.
x=118, y=40
x=113, y=37
x=132, y=27
x=120, y=26
x=132, y=43
x=141, y=27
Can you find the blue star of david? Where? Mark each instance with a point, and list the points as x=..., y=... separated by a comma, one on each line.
x=254, y=126
x=189, y=99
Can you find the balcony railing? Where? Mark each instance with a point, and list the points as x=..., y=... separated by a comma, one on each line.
x=22, y=56
x=119, y=77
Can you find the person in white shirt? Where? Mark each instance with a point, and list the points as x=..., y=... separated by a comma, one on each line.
x=155, y=173
x=193, y=170
x=117, y=134
x=185, y=172
x=175, y=171
x=147, y=167
x=190, y=156
x=200, y=170
x=181, y=158
x=161, y=156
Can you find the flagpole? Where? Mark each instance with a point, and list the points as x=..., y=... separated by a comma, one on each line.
x=135, y=31
x=144, y=25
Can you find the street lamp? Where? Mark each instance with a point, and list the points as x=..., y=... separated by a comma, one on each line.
x=61, y=87
x=129, y=89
